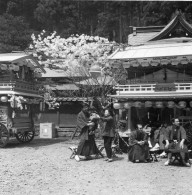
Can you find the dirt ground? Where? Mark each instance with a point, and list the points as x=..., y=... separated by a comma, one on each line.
x=44, y=167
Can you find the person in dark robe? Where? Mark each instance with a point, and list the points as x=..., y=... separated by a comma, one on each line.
x=175, y=136
x=139, y=147
x=87, y=145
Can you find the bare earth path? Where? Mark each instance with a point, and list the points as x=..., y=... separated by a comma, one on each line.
x=44, y=167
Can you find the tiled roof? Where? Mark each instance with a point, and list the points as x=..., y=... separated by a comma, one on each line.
x=59, y=73
x=142, y=35
x=102, y=80
x=178, y=19
x=21, y=58
x=140, y=38
x=62, y=87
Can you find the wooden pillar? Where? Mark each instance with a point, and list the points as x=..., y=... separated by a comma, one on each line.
x=175, y=109
x=58, y=118
x=129, y=120
x=120, y=114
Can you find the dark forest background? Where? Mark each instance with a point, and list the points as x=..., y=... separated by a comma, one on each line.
x=110, y=19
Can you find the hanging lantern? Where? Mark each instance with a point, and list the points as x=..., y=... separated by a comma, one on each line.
x=183, y=59
x=164, y=61
x=182, y=104
x=170, y=104
x=127, y=105
x=148, y=104
x=11, y=67
x=4, y=99
x=118, y=105
x=138, y=104
x=3, y=66
x=37, y=74
x=125, y=65
x=154, y=62
x=159, y=104
x=16, y=68
x=134, y=63
x=144, y=62
x=174, y=62
x=190, y=103
x=32, y=68
x=95, y=71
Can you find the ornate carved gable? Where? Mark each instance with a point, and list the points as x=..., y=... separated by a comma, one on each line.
x=178, y=27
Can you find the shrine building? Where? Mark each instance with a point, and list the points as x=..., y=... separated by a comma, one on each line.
x=158, y=62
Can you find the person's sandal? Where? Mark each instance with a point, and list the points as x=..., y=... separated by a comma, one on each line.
x=77, y=158
x=167, y=163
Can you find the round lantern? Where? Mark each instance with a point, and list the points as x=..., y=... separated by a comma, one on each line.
x=118, y=105
x=4, y=99
x=159, y=104
x=137, y=104
x=170, y=104
x=16, y=68
x=127, y=105
x=37, y=74
x=154, y=62
x=164, y=61
x=95, y=71
x=11, y=67
x=148, y=104
x=3, y=66
x=182, y=104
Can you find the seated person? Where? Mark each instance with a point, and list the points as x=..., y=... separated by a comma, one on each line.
x=139, y=148
x=175, y=137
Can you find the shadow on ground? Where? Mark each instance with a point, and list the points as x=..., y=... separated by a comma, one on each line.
x=41, y=142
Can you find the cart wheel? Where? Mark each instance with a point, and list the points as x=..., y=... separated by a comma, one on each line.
x=4, y=135
x=25, y=137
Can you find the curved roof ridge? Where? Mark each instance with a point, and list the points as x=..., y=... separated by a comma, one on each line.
x=178, y=18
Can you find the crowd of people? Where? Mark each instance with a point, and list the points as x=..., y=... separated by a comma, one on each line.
x=170, y=139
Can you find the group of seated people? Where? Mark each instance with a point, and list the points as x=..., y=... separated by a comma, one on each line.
x=171, y=139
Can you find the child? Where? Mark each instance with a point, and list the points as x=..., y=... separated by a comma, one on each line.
x=94, y=118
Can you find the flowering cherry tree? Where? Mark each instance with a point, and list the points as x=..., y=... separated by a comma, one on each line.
x=76, y=55
x=73, y=54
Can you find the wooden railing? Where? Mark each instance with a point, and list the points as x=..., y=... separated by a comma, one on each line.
x=150, y=88
x=123, y=89
x=183, y=86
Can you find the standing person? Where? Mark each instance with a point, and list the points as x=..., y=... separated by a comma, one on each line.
x=139, y=147
x=175, y=137
x=162, y=132
x=108, y=132
x=87, y=145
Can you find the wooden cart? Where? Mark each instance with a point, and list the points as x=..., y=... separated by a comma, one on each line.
x=19, y=97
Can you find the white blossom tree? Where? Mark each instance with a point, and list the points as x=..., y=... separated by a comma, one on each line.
x=76, y=55
x=73, y=53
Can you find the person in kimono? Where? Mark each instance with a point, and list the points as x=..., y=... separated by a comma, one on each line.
x=139, y=147
x=108, y=132
x=87, y=145
x=175, y=137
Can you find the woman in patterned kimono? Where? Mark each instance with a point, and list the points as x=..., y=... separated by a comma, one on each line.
x=139, y=149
